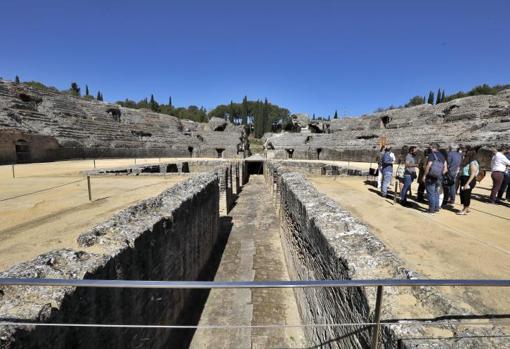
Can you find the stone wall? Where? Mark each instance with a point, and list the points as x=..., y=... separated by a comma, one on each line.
x=228, y=172
x=315, y=168
x=86, y=128
x=169, y=237
x=38, y=148
x=322, y=241
x=480, y=121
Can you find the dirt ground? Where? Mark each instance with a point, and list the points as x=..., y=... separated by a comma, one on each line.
x=46, y=206
x=444, y=245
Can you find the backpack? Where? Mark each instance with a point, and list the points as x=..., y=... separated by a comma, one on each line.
x=387, y=160
x=437, y=168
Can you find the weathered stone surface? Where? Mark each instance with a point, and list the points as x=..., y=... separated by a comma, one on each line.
x=478, y=121
x=323, y=241
x=73, y=127
x=169, y=237
x=229, y=174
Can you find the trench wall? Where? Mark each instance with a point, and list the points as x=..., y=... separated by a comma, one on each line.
x=319, y=168
x=230, y=174
x=322, y=241
x=169, y=237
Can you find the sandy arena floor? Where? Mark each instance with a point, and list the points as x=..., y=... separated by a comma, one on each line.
x=444, y=245
x=46, y=206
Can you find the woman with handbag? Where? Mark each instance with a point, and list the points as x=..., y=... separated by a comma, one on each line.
x=470, y=169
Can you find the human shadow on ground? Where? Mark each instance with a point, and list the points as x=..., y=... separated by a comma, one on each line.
x=391, y=197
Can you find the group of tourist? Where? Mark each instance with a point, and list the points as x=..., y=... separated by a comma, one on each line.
x=441, y=174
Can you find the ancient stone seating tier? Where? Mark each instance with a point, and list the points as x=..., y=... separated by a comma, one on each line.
x=80, y=126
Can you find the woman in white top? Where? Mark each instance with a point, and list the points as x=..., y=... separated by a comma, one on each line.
x=469, y=170
x=499, y=165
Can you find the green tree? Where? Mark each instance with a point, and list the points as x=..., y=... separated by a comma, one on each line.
x=313, y=116
x=170, y=102
x=416, y=100
x=99, y=96
x=231, y=112
x=154, y=106
x=244, y=111
x=431, y=98
x=443, y=98
x=86, y=90
x=17, y=80
x=75, y=89
x=336, y=115
x=438, y=96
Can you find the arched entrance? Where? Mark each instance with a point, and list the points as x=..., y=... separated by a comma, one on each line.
x=22, y=151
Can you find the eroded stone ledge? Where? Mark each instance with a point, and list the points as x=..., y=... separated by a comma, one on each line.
x=168, y=237
x=323, y=241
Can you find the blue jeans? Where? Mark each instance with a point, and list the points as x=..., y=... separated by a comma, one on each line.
x=433, y=193
x=386, y=181
x=451, y=191
x=408, y=180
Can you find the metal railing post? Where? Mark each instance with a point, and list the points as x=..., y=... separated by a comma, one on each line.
x=377, y=320
x=13, y=174
x=88, y=186
x=94, y=163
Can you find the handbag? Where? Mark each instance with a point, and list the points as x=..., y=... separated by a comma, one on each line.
x=448, y=179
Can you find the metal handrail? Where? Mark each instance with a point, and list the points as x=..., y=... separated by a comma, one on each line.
x=255, y=284
x=379, y=283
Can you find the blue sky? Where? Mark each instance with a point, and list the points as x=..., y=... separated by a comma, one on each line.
x=309, y=56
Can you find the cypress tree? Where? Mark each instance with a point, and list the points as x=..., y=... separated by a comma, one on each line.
x=170, y=102
x=99, y=96
x=265, y=117
x=245, y=111
x=86, y=90
x=153, y=104
x=431, y=98
x=231, y=111
x=438, y=96
x=336, y=115
x=424, y=99
x=313, y=116
x=16, y=80
x=443, y=97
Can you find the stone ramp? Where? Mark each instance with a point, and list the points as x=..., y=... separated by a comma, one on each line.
x=253, y=252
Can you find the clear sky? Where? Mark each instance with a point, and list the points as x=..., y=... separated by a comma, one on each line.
x=310, y=56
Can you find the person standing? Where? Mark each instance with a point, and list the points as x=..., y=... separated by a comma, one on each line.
x=434, y=171
x=388, y=159
x=409, y=174
x=506, y=181
x=453, y=160
x=379, y=167
x=499, y=166
x=470, y=169
x=420, y=194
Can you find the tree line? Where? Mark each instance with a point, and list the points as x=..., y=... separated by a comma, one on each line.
x=262, y=115
x=441, y=97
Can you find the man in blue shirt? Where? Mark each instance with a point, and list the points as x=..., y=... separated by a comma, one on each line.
x=453, y=161
x=434, y=170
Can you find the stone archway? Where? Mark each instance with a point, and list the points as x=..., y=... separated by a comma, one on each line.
x=22, y=151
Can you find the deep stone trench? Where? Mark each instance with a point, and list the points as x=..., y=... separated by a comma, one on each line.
x=209, y=228
x=196, y=243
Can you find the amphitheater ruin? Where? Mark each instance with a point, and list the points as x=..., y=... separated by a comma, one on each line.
x=297, y=248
